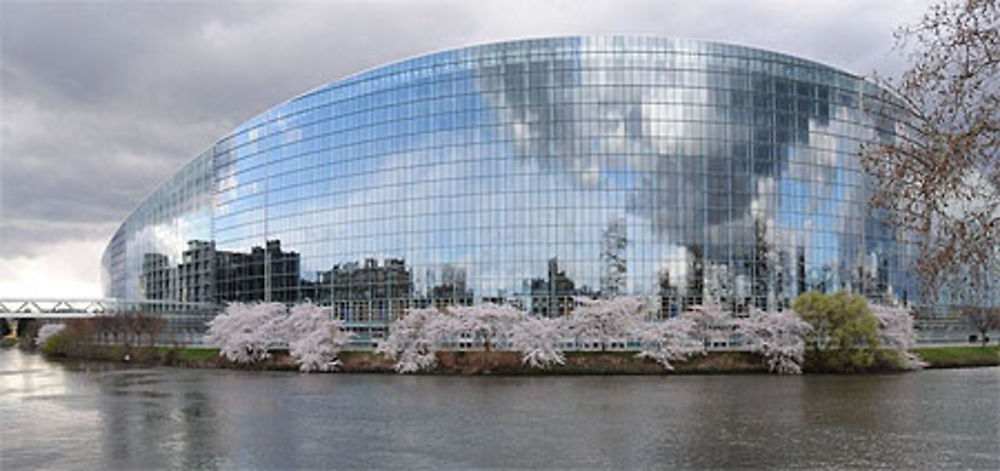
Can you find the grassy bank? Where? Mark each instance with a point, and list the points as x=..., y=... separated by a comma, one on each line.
x=504, y=363
x=577, y=363
x=958, y=357
x=151, y=356
x=449, y=362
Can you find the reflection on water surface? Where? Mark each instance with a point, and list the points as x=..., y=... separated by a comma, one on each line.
x=94, y=416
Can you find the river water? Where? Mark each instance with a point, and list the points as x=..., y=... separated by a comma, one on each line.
x=99, y=416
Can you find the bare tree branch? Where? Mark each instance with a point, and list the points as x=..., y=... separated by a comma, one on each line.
x=938, y=176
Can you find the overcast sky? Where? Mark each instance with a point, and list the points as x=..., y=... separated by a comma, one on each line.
x=103, y=101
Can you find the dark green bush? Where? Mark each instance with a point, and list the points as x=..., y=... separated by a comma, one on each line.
x=61, y=344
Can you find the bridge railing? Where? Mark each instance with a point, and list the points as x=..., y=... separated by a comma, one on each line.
x=26, y=307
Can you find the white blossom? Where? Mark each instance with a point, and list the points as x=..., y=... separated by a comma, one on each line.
x=490, y=324
x=243, y=332
x=314, y=339
x=47, y=331
x=505, y=327
x=603, y=321
x=414, y=340
x=669, y=340
x=712, y=322
x=895, y=331
x=779, y=337
x=539, y=340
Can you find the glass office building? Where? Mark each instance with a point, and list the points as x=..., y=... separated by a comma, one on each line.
x=530, y=172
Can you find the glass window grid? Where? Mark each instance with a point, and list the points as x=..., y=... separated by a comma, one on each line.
x=396, y=165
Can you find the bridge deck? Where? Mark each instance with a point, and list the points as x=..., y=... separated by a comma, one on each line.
x=82, y=308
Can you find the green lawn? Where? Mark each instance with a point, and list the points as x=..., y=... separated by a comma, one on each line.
x=959, y=356
x=189, y=354
x=198, y=354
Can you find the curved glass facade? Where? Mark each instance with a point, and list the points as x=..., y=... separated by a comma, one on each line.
x=530, y=172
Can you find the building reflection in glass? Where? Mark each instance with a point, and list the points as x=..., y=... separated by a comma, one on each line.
x=530, y=172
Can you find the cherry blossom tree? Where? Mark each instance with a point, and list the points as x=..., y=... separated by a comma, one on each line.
x=895, y=331
x=673, y=339
x=491, y=324
x=539, y=341
x=779, y=337
x=505, y=327
x=47, y=331
x=415, y=339
x=603, y=321
x=711, y=321
x=243, y=332
x=314, y=339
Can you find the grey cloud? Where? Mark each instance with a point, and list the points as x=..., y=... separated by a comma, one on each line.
x=30, y=239
x=101, y=103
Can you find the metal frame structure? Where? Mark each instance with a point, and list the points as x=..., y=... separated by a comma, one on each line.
x=83, y=308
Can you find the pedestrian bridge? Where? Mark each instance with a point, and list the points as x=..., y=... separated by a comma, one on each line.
x=29, y=308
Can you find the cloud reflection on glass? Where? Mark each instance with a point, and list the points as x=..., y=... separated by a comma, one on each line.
x=532, y=171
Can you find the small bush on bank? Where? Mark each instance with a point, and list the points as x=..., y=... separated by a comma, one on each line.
x=47, y=331
x=62, y=344
x=844, y=336
x=74, y=340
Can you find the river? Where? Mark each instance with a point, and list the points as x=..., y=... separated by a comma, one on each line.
x=99, y=416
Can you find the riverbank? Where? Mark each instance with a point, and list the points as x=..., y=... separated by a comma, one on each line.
x=508, y=363
x=959, y=356
x=449, y=362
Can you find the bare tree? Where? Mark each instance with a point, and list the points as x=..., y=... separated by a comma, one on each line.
x=975, y=290
x=152, y=326
x=983, y=319
x=116, y=325
x=134, y=327
x=937, y=162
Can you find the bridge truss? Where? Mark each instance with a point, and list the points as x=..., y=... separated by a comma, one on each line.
x=20, y=308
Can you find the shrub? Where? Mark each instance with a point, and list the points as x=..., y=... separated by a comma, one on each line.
x=47, y=331
x=62, y=343
x=844, y=335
